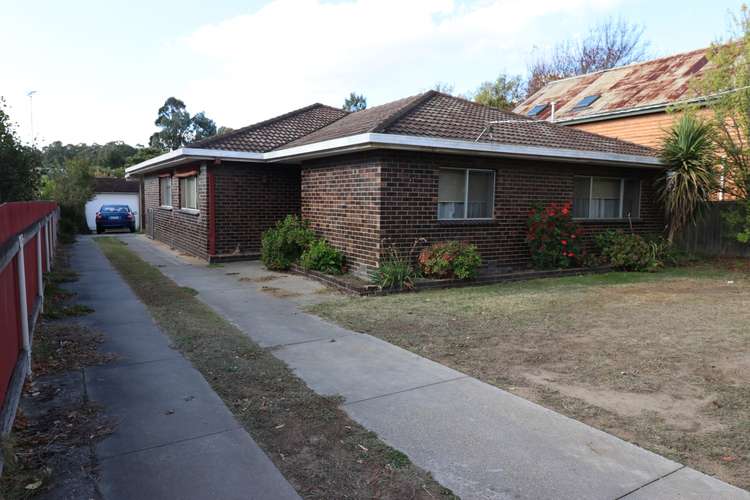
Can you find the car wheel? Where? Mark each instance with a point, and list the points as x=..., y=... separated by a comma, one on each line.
x=99, y=230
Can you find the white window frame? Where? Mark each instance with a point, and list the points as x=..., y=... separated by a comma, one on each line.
x=622, y=197
x=466, y=193
x=180, y=185
x=169, y=183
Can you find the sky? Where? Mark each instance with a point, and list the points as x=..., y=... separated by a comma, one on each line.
x=102, y=68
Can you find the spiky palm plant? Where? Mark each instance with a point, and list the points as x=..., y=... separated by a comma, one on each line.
x=685, y=189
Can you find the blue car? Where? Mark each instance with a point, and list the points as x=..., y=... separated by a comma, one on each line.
x=114, y=217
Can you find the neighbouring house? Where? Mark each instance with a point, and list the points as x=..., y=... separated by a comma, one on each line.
x=630, y=102
x=113, y=191
x=430, y=166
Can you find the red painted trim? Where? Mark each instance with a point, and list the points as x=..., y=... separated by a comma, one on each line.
x=211, y=212
x=169, y=174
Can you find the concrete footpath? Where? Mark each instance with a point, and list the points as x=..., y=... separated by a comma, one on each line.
x=174, y=438
x=476, y=439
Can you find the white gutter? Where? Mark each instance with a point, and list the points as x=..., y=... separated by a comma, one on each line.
x=186, y=155
x=368, y=141
x=434, y=144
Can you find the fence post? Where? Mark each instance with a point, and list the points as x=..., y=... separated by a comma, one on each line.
x=47, y=241
x=39, y=269
x=20, y=260
x=52, y=239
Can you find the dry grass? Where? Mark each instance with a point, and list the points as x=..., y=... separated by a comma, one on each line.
x=322, y=452
x=662, y=360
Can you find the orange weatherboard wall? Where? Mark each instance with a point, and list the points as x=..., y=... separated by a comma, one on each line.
x=646, y=130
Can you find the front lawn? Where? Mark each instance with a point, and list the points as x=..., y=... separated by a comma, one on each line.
x=661, y=360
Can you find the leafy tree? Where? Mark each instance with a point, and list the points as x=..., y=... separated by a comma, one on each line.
x=504, y=93
x=19, y=164
x=109, y=159
x=685, y=189
x=71, y=186
x=725, y=82
x=224, y=130
x=615, y=42
x=142, y=154
x=355, y=102
x=114, y=155
x=445, y=88
x=178, y=127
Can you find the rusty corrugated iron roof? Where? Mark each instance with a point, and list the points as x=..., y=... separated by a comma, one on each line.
x=651, y=84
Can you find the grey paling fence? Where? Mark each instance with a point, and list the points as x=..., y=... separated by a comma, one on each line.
x=710, y=236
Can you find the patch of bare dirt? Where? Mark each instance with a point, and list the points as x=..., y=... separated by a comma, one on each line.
x=279, y=292
x=65, y=346
x=684, y=412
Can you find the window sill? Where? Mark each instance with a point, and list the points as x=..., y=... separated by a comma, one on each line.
x=165, y=207
x=191, y=211
x=465, y=222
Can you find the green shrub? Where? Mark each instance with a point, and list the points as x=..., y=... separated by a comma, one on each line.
x=395, y=272
x=629, y=252
x=450, y=259
x=283, y=244
x=667, y=253
x=553, y=237
x=320, y=256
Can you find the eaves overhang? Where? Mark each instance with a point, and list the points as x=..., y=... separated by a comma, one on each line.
x=371, y=141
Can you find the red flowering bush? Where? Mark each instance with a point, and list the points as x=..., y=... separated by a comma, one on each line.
x=450, y=259
x=554, y=238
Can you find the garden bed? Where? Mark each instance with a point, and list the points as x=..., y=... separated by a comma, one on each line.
x=351, y=284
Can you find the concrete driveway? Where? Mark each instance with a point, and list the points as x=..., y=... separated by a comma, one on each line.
x=476, y=439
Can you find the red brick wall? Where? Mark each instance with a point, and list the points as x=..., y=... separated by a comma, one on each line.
x=179, y=229
x=410, y=187
x=249, y=200
x=341, y=199
x=361, y=203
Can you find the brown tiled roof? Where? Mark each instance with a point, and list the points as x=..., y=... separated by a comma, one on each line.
x=359, y=122
x=652, y=83
x=434, y=114
x=114, y=185
x=271, y=134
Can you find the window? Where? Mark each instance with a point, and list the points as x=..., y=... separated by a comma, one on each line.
x=606, y=198
x=537, y=109
x=466, y=194
x=586, y=102
x=165, y=191
x=189, y=192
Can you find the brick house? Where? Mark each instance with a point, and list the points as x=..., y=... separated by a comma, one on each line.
x=430, y=166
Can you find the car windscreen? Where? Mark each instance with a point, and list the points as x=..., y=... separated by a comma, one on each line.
x=114, y=209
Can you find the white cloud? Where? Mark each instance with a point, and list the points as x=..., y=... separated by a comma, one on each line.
x=294, y=52
x=287, y=54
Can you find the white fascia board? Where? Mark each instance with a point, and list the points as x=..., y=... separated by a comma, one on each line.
x=362, y=142
x=186, y=155
x=415, y=143
x=514, y=151
x=343, y=144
